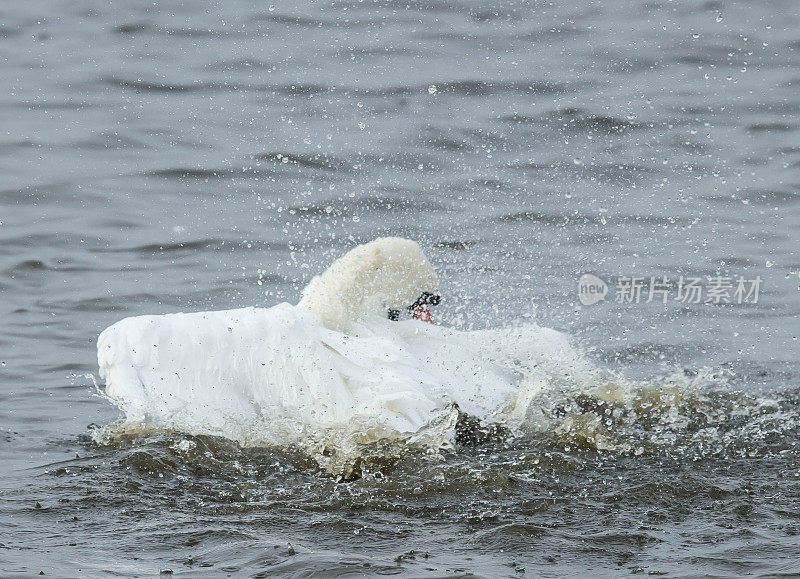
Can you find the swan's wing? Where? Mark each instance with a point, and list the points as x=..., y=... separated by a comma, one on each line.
x=294, y=372
x=122, y=350
x=481, y=385
x=206, y=369
x=386, y=381
x=177, y=369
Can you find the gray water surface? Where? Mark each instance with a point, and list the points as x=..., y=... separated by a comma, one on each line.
x=169, y=156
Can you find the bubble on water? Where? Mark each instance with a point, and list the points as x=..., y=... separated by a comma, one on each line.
x=719, y=18
x=432, y=89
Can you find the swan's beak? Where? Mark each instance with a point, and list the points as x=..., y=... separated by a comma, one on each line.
x=423, y=313
x=421, y=309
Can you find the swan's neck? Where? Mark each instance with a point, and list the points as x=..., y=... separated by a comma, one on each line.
x=388, y=272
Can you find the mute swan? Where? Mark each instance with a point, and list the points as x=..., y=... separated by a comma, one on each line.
x=333, y=358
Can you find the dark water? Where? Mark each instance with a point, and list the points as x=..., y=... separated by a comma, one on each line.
x=157, y=157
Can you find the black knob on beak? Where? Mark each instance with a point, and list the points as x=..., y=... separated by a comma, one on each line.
x=427, y=298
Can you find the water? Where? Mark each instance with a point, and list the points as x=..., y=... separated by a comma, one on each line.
x=168, y=156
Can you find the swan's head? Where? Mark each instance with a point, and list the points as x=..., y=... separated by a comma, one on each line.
x=389, y=273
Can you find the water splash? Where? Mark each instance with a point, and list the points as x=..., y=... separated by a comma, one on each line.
x=561, y=397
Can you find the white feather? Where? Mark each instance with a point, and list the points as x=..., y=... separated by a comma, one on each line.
x=332, y=359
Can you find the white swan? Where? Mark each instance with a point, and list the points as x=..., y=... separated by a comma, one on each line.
x=333, y=359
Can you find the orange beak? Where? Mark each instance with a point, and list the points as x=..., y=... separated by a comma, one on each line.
x=423, y=313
